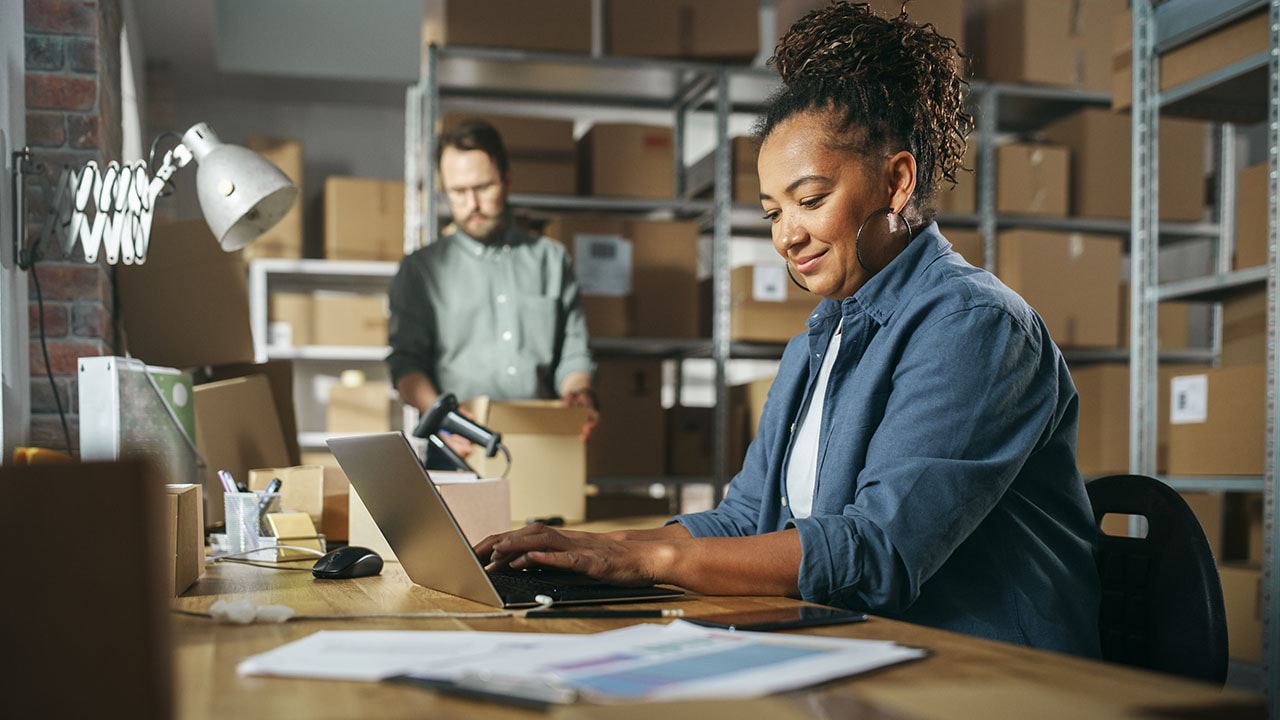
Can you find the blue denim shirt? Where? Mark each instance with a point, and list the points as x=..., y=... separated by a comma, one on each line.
x=947, y=492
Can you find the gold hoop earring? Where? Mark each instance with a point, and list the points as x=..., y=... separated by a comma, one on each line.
x=791, y=276
x=898, y=234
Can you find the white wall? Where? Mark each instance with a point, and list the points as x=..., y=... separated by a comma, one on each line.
x=15, y=395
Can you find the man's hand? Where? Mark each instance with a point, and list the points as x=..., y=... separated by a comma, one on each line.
x=457, y=443
x=602, y=557
x=584, y=397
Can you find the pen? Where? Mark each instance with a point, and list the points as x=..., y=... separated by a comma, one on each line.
x=228, y=483
x=265, y=500
x=604, y=614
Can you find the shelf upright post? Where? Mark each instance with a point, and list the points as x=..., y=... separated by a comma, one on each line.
x=1225, y=146
x=1143, y=408
x=1271, y=531
x=720, y=283
x=988, y=110
x=412, y=166
x=678, y=126
x=258, y=310
x=430, y=119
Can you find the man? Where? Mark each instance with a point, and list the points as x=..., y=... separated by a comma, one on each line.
x=487, y=309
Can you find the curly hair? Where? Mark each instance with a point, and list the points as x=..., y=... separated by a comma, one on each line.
x=891, y=84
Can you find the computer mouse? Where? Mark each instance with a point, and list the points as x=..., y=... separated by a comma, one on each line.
x=352, y=561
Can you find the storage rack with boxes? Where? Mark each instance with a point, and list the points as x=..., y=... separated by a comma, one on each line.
x=1216, y=61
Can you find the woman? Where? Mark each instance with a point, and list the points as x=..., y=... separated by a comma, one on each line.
x=916, y=455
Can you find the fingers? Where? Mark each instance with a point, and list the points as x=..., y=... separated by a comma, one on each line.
x=459, y=444
x=484, y=548
x=559, y=560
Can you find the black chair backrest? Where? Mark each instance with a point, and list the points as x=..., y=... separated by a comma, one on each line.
x=1161, y=597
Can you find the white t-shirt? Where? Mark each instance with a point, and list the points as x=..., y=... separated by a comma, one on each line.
x=802, y=466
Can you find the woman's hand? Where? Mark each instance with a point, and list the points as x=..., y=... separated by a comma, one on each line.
x=602, y=557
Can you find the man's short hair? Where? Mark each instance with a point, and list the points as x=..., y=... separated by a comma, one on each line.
x=475, y=135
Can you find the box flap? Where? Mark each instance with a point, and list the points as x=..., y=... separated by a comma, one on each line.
x=535, y=417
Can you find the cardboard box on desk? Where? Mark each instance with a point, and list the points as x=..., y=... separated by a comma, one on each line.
x=184, y=536
x=237, y=429
x=1100, y=185
x=337, y=488
x=363, y=219
x=279, y=375
x=284, y=239
x=350, y=319
x=630, y=439
x=301, y=488
x=1052, y=43
x=1031, y=179
x=700, y=29
x=626, y=160
x=481, y=508
x=547, y=25
x=548, y=458
x=165, y=302
x=1217, y=421
x=1071, y=279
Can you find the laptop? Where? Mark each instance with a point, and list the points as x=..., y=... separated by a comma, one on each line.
x=415, y=521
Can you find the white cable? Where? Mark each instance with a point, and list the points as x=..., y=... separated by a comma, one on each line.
x=244, y=612
x=264, y=548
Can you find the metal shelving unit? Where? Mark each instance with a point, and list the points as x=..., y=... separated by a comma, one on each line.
x=1157, y=30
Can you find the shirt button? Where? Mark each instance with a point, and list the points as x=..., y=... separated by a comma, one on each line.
x=479, y=251
x=506, y=335
x=502, y=298
x=511, y=371
x=784, y=501
x=793, y=428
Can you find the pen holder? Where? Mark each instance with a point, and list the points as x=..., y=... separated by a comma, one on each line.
x=244, y=513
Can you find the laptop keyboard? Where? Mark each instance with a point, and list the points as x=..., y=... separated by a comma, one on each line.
x=518, y=586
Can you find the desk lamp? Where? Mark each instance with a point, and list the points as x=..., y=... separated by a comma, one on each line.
x=241, y=196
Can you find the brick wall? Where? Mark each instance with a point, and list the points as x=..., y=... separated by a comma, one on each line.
x=73, y=116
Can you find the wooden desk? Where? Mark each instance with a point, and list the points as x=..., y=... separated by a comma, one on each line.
x=965, y=677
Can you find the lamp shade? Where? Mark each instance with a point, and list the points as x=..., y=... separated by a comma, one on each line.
x=241, y=193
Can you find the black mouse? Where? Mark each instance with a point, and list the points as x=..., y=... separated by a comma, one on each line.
x=348, y=562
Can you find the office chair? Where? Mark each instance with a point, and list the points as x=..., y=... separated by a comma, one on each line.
x=1161, y=598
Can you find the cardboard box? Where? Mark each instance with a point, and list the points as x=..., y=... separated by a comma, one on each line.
x=1071, y=279
x=541, y=152
x=1244, y=330
x=1173, y=323
x=350, y=319
x=1251, y=217
x=301, y=488
x=292, y=317
x=480, y=507
x=701, y=29
x=237, y=429
x=1100, y=186
x=664, y=286
x=961, y=198
x=743, y=153
x=363, y=218
x=691, y=438
x=363, y=408
x=90, y=615
x=547, y=25
x=614, y=505
x=1102, y=438
x=1217, y=422
x=284, y=240
x=946, y=16
x=1242, y=601
x=626, y=160
x=279, y=375
x=1226, y=45
x=765, y=306
x=548, y=458
x=968, y=243
x=630, y=439
x=165, y=302
x=184, y=536
x=1043, y=41
x=337, y=488
x=1031, y=179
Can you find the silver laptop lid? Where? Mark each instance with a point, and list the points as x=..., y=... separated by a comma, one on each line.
x=384, y=470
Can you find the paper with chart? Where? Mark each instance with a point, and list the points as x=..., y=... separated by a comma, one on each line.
x=372, y=655
x=682, y=661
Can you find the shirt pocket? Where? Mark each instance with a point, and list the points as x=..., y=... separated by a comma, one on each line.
x=538, y=320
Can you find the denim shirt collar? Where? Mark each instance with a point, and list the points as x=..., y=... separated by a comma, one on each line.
x=887, y=289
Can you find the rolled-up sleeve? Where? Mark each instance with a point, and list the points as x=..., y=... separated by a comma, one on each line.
x=412, y=327
x=575, y=353
x=969, y=404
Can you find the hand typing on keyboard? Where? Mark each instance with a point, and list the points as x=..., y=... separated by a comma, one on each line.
x=609, y=557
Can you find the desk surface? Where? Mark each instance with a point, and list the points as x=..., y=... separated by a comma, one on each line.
x=964, y=677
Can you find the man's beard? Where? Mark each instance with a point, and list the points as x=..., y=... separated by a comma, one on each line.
x=495, y=227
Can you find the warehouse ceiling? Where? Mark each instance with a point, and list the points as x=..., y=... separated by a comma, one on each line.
x=296, y=49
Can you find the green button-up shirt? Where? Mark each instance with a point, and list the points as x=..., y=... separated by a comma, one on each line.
x=501, y=319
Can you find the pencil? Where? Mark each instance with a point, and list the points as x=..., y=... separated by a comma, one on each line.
x=604, y=613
